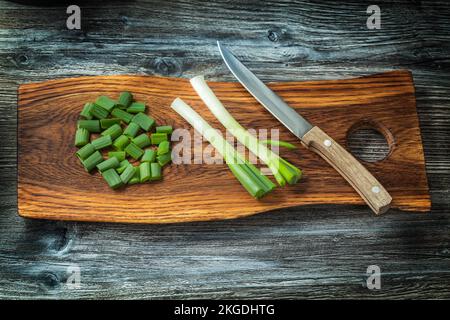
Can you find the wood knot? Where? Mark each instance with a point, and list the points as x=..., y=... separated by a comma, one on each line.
x=167, y=66
x=273, y=35
x=50, y=280
x=22, y=59
x=125, y=20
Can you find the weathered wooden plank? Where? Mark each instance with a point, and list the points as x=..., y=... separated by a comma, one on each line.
x=320, y=252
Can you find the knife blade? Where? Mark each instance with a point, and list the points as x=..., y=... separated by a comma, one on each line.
x=312, y=137
x=269, y=99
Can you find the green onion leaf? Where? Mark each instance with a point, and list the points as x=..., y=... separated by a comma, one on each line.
x=122, y=115
x=144, y=121
x=86, y=112
x=114, y=131
x=127, y=174
x=121, y=142
x=89, y=125
x=123, y=165
x=106, y=103
x=144, y=172
x=108, y=164
x=92, y=161
x=155, y=170
x=112, y=178
x=106, y=123
x=125, y=99
x=131, y=130
x=149, y=156
x=136, y=107
x=136, y=177
x=164, y=129
x=279, y=143
x=157, y=138
x=120, y=155
x=134, y=151
x=163, y=148
x=141, y=140
x=102, y=142
x=85, y=151
x=164, y=159
x=98, y=112
x=81, y=137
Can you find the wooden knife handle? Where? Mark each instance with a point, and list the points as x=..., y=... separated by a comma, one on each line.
x=351, y=169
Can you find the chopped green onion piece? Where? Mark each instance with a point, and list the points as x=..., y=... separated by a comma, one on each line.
x=102, y=142
x=157, y=138
x=163, y=148
x=125, y=99
x=106, y=123
x=141, y=140
x=92, y=161
x=98, y=112
x=121, y=142
x=81, y=137
x=86, y=112
x=106, y=103
x=123, y=165
x=149, y=156
x=120, y=155
x=279, y=143
x=122, y=115
x=136, y=177
x=136, y=107
x=144, y=121
x=164, y=159
x=108, y=164
x=85, y=151
x=127, y=174
x=89, y=125
x=164, y=129
x=134, y=151
x=112, y=178
x=114, y=131
x=144, y=171
x=121, y=169
x=131, y=130
x=155, y=169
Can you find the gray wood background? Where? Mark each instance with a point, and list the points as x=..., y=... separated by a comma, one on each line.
x=309, y=252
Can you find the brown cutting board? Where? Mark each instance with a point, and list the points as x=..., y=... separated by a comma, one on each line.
x=53, y=185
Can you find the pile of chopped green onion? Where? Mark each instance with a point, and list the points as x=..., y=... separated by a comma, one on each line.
x=125, y=133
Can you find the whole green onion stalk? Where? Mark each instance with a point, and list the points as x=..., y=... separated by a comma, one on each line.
x=282, y=170
x=248, y=175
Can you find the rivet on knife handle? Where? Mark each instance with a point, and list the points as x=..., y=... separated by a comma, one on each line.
x=354, y=172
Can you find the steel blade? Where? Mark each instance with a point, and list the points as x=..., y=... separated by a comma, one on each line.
x=269, y=99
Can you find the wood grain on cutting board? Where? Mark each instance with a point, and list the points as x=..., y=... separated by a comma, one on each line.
x=53, y=185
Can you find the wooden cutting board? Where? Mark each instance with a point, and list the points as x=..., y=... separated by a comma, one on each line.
x=53, y=185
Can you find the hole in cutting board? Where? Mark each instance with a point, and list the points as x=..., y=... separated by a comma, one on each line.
x=369, y=141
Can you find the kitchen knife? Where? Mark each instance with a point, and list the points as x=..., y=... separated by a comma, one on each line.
x=312, y=137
